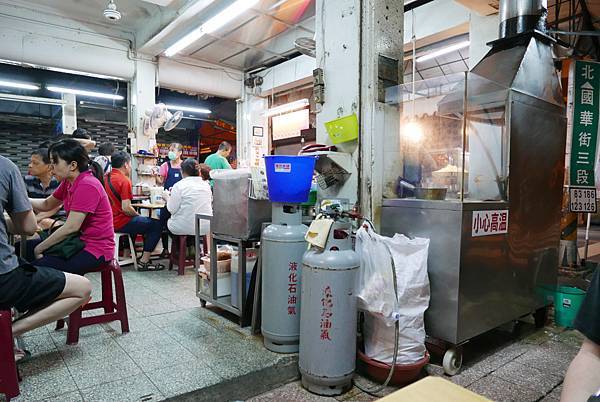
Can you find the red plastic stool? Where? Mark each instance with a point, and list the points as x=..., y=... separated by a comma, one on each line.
x=9, y=378
x=113, y=311
x=178, y=254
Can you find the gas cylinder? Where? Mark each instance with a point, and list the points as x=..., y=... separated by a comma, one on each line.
x=328, y=314
x=283, y=246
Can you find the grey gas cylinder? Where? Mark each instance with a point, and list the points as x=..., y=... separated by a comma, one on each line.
x=328, y=314
x=283, y=246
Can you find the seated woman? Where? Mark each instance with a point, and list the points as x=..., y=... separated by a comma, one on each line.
x=190, y=196
x=86, y=204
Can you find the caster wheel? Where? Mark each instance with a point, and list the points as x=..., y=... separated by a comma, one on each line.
x=203, y=303
x=541, y=317
x=452, y=361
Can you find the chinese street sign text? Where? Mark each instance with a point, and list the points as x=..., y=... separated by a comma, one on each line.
x=585, y=118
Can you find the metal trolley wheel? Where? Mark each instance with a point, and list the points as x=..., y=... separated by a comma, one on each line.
x=452, y=361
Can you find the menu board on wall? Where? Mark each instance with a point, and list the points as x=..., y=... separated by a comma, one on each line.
x=289, y=125
x=188, y=151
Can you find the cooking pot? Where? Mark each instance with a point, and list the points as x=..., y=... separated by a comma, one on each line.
x=424, y=193
x=430, y=193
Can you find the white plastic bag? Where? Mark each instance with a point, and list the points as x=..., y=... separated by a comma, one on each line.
x=375, y=281
x=410, y=263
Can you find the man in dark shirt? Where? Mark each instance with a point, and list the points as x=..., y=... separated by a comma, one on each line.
x=583, y=376
x=41, y=184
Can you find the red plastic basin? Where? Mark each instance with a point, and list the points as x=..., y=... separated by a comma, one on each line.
x=404, y=374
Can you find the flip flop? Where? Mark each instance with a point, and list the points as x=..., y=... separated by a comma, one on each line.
x=22, y=355
x=149, y=266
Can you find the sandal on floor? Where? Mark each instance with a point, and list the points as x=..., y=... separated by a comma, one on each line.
x=165, y=254
x=150, y=266
x=22, y=355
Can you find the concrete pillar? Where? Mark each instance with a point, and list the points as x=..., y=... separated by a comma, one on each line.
x=357, y=44
x=482, y=30
x=69, y=113
x=141, y=97
x=252, y=139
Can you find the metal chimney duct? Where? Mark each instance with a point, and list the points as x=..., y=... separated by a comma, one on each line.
x=518, y=16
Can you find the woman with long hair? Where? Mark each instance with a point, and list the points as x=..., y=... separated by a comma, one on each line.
x=81, y=193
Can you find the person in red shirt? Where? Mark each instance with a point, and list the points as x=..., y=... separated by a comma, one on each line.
x=125, y=217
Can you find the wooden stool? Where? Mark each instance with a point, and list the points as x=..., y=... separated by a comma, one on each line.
x=179, y=255
x=9, y=378
x=125, y=261
x=113, y=311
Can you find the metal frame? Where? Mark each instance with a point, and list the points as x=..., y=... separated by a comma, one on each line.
x=224, y=302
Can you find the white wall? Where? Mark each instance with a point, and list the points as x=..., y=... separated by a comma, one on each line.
x=54, y=46
x=290, y=74
x=435, y=18
x=65, y=44
x=200, y=77
x=482, y=30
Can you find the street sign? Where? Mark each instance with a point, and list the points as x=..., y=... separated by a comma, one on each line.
x=585, y=118
x=582, y=199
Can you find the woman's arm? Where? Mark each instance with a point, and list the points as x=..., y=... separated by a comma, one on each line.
x=45, y=204
x=72, y=225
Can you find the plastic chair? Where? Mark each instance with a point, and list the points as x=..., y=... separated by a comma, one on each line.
x=9, y=378
x=178, y=254
x=114, y=309
x=125, y=261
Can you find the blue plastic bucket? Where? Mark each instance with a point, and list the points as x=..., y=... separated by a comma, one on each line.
x=289, y=177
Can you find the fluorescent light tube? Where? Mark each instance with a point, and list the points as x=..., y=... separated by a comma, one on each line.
x=84, y=93
x=210, y=26
x=288, y=107
x=443, y=51
x=188, y=109
x=19, y=85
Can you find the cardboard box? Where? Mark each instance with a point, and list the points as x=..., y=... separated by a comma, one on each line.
x=434, y=389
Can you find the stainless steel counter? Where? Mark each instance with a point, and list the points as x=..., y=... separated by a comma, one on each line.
x=477, y=283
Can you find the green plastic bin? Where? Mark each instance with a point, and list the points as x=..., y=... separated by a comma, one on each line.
x=567, y=302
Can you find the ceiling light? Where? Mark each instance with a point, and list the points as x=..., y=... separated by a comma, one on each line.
x=288, y=107
x=84, y=93
x=111, y=12
x=19, y=85
x=443, y=51
x=189, y=109
x=210, y=26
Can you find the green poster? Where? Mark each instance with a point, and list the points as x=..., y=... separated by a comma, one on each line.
x=586, y=113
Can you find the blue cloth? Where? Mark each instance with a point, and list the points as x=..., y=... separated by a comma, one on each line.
x=173, y=176
x=149, y=228
x=80, y=264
